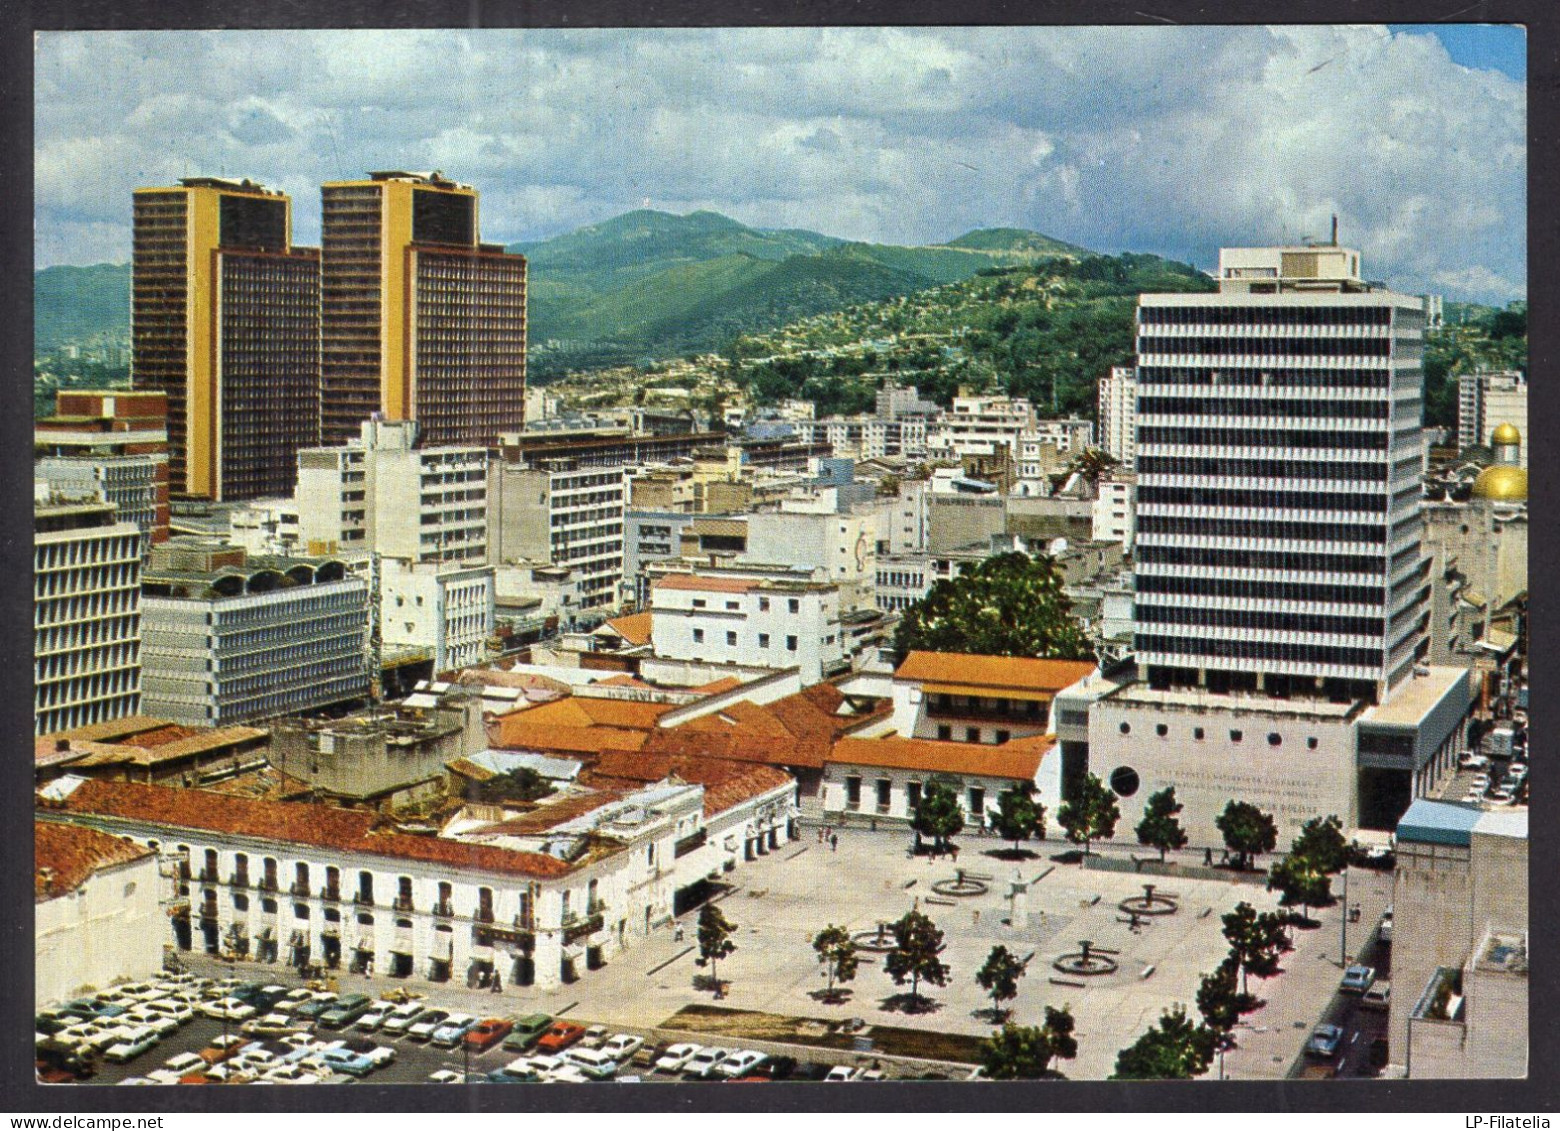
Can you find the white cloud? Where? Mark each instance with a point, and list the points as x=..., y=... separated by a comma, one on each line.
x=1162, y=139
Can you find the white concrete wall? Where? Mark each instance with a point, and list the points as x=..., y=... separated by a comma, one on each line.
x=111, y=927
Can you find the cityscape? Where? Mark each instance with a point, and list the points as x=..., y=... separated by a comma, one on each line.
x=654, y=641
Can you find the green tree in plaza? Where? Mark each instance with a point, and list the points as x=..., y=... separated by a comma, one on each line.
x=1321, y=841
x=1025, y=1052
x=1301, y=883
x=1018, y=816
x=1174, y=1049
x=1248, y=832
x=715, y=932
x=917, y=943
x=938, y=814
x=1090, y=814
x=1219, y=998
x=1160, y=827
x=1008, y=605
x=999, y=976
x=838, y=954
x=1256, y=941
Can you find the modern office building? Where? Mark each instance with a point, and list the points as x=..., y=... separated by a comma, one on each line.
x=1118, y=414
x=381, y=492
x=86, y=610
x=564, y=514
x=445, y=607
x=419, y=319
x=225, y=319
x=116, y=439
x=1488, y=400
x=230, y=638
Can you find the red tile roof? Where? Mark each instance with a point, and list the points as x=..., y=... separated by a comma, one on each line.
x=591, y=711
x=634, y=628
x=314, y=826
x=514, y=733
x=796, y=731
x=726, y=782
x=1018, y=760
x=992, y=672
x=66, y=856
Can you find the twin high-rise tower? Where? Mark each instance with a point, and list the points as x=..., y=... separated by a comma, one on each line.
x=264, y=348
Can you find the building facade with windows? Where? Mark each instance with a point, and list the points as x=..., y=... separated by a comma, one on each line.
x=231, y=638
x=447, y=608
x=749, y=623
x=565, y=514
x=1118, y=415
x=117, y=439
x=419, y=319
x=87, y=632
x=225, y=320
x=1487, y=400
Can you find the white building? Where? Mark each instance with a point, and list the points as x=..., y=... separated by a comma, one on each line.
x=840, y=549
x=538, y=897
x=266, y=526
x=980, y=426
x=383, y=494
x=1118, y=414
x=750, y=623
x=564, y=514
x=1068, y=436
x=134, y=484
x=445, y=607
x=1487, y=400
x=229, y=638
x=1115, y=509
x=86, y=611
x=97, y=917
x=865, y=437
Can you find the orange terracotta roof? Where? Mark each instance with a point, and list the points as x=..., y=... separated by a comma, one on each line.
x=726, y=782
x=994, y=672
x=72, y=854
x=315, y=826
x=732, y=792
x=724, y=684
x=795, y=731
x=1018, y=760
x=634, y=628
x=701, y=584
x=592, y=711
x=514, y=733
x=624, y=680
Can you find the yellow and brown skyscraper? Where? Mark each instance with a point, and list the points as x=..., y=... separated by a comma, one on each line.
x=419, y=320
x=225, y=319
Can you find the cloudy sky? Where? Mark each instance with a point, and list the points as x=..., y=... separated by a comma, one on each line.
x=1166, y=139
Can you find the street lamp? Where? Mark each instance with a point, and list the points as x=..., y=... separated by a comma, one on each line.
x=1343, y=922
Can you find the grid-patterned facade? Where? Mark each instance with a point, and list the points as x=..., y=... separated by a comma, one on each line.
x=469, y=341
x=159, y=310
x=351, y=307
x=1278, y=518
x=269, y=348
x=86, y=615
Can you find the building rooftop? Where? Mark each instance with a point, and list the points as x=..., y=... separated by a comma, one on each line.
x=1456, y=822
x=966, y=674
x=66, y=856
x=1414, y=698
x=704, y=584
x=635, y=628
x=290, y=822
x=1018, y=760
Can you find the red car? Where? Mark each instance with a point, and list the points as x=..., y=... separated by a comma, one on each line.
x=560, y=1036
x=485, y=1034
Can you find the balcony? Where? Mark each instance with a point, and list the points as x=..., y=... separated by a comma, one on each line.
x=575, y=928
x=444, y=910
x=402, y=903
x=331, y=895
x=482, y=915
x=363, y=898
x=239, y=880
x=300, y=889
x=1003, y=710
x=267, y=883
x=209, y=876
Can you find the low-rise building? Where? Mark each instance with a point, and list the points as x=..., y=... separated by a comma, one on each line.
x=883, y=778
x=749, y=623
x=144, y=749
x=97, y=915
x=446, y=607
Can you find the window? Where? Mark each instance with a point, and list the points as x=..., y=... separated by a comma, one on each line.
x=731, y=639
x=731, y=604
x=1310, y=743
x=853, y=793
x=699, y=602
x=484, y=905
x=1275, y=739
x=790, y=643
x=972, y=734
x=884, y=794
x=1003, y=736
x=763, y=640
x=1124, y=781
x=763, y=604
x=1197, y=733
x=795, y=605
x=1161, y=730
x=1236, y=736
x=698, y=636
x=1126, y=728
x=945, y=733
x=913, y=794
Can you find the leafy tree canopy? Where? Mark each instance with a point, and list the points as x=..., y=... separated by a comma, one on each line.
x=917, y=943
x=1018, y=816
x=1025, y=1052
x=715, y=932
x=1090, y=814
x=938, y=814
x=836, y=950
x=1174, y=1049
x=1321, y=841
x=1008, y=605
x=1301, y=882
x=999, y=975
x=1248, y=831
x=1256, y=939
x=1160, y=827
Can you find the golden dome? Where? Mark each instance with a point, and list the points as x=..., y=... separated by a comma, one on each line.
x=1505, y=434
x=1503, y=484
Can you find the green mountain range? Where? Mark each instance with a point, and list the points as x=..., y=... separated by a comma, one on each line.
x=75, y=304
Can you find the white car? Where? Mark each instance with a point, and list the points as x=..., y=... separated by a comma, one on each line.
x=163, y=1076
x=183, y=1062
x=159, y=1023
x=288, y=1074
x=594, y=1037
x=180, y=1010
x=380, y=1055
x=423, y=1030
x=701, y=1065
x=842, y=1074
x=567, y=1074
x=543, y=1064
x=229, y=1009
x=137, y=1042
x=135, y=1081
x=594, y=1063
x=400, y=1017
x=622, y=1047
x=446, y=1076
x=676, y=1057
x=452, y=1030
x=375, y=1017
x=740, y=1063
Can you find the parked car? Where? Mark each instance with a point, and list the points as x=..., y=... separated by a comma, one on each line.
x=740, y=1063
x=446, y=1076
x=567, y=1074
x=1379, y=996
x=134, y=1044
x=376, y=1016
x=842, y=1074
x=453, y=1030
x=520, y=1070
x=183, y=1062
x=1357, y=979
x=159, y=1023
x=1385, y=933
x=526, y=1031
x=315, y=1006
x=177, y=1008
x=223, y=1048
x=422, y=1028
x=594, y=1063
x=622, y=1047
x=228, y=1009
x=487, y=1033
x=346, y=1010
x=347, y=1061
x=1324, y=1041
x=701, y=1066
x=559, y=1036
x=271, y=1025
x=402, y=1017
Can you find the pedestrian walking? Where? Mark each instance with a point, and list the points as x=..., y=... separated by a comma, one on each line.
x=834, y=842
x=498, y=983
x=1207, y=858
